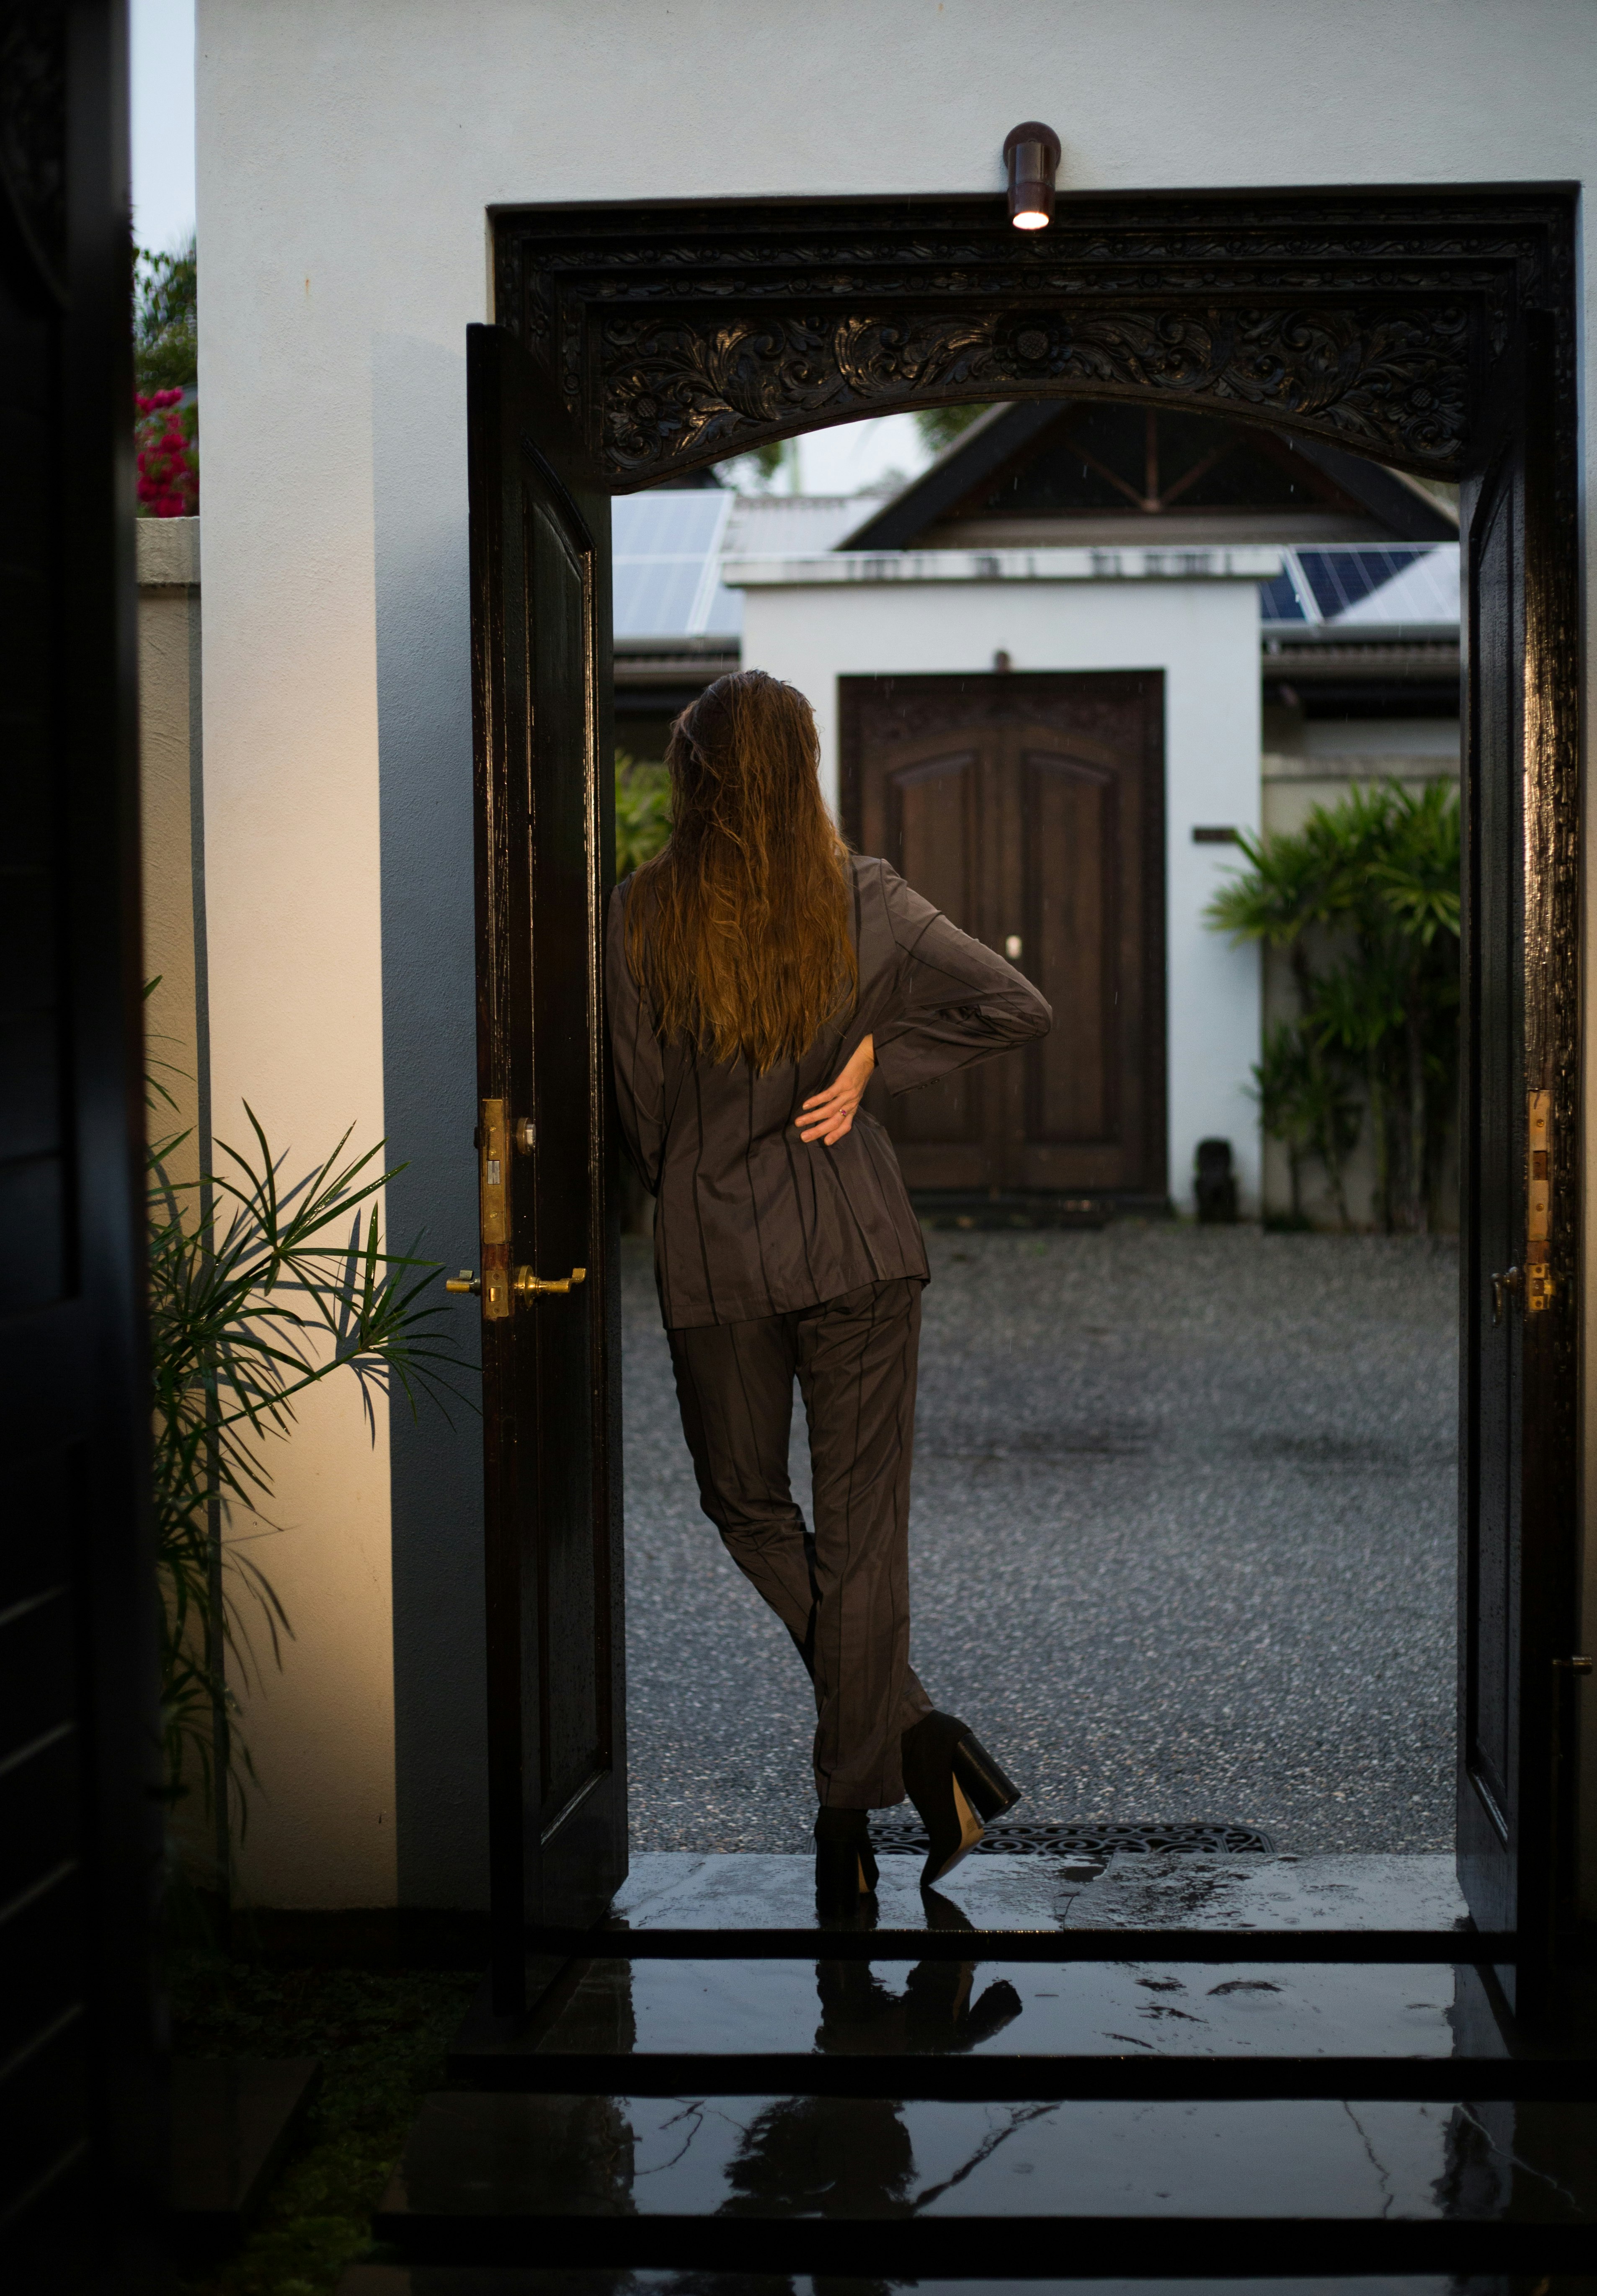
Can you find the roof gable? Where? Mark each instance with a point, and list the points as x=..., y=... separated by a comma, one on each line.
x=1098, y=459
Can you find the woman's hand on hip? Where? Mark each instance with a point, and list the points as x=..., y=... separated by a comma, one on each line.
x=828, y=1117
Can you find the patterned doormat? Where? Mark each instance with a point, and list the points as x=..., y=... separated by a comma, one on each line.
x=1035, y=1837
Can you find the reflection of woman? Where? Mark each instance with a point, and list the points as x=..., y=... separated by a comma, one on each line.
x=757, y=971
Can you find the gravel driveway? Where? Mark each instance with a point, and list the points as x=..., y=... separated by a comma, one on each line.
x=1181, y=1547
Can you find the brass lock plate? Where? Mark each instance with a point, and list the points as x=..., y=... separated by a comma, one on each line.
x=1539, y=1285
x=493, y=1198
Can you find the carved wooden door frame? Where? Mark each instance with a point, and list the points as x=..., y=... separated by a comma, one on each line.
x=1396, y=324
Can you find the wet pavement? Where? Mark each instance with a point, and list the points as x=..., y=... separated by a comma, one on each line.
x=1182, y=1545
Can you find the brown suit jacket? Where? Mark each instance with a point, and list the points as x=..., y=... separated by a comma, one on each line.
x=751, y=1222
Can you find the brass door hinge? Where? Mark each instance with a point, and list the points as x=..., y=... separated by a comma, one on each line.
x=1539, y=1285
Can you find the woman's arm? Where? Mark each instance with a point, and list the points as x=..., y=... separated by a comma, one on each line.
x=953, y=1001
x=635, y=1054
x=828, y=1116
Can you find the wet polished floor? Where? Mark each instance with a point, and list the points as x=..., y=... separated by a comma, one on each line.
x=1084, y=2009
x=625, y=2010
x=908, y=2111
x=531, y=2158
x=668, y=1889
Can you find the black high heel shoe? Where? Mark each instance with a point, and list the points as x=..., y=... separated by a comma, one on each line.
x=957, y=1787
x=845, y=1870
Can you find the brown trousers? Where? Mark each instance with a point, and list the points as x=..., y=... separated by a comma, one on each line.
x=844, y=1593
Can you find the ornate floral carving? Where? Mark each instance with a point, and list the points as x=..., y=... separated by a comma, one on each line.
x=1108, y=707
x=1385, y=384
x=684, y=334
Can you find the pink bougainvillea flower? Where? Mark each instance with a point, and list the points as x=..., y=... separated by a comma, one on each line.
x=169, y=477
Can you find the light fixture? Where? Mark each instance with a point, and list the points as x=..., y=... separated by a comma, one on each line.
x=1032, y=155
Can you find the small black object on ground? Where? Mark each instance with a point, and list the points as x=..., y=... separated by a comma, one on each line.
x=1216, y=1184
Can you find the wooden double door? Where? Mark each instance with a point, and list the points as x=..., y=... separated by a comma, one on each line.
x=1030, y=809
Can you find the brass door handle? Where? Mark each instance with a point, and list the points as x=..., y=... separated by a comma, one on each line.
x=1514, y=1280
x=527, y=1284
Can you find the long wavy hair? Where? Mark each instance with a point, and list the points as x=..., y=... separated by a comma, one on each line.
x=738, y=930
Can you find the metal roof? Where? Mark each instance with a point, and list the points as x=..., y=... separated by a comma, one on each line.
x=790, y=525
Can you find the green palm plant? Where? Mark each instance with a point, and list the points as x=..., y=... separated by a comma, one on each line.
x=1420, y=884
x=642, y=812
x=1306, y=1104
x=1353, y=1012
x=1363, y=901
x=1282, y=893
x=259, y=1289
x=1397, y=895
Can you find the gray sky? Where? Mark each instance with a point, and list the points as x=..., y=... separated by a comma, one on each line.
x=163, y=121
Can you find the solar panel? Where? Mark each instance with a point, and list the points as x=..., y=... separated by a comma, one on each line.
x=1278, y=601
x=1427, y=592
x=1340, y=579
x=1353, y=586
x=666, y=521
x=667, y=547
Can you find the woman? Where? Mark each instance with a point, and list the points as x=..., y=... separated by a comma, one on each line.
x=758, y=973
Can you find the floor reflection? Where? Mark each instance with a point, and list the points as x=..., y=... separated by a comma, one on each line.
x=660, y=2008
x=823, y=2156
x=853, y=2156
x=860, y=2015
x=879, y=2158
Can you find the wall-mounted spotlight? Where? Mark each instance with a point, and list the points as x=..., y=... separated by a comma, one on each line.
x=1032, y=155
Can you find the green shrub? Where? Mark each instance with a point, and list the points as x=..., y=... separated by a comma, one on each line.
x=642, y=812
x=1363, y=901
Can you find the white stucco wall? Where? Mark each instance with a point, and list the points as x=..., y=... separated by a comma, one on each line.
x=807, y=626
x=348, y=152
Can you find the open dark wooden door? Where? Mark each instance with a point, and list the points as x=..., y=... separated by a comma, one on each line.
x=83, y=2162
x=1518, y=1561
x=540, y=650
